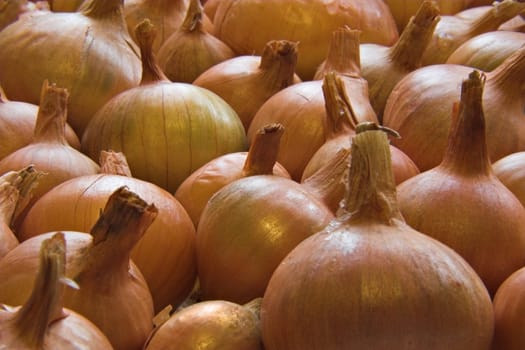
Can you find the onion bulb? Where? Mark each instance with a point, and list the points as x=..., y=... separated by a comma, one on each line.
x=355, y=284
x=462, y=204
x=166, y=129
x=88, y=52
x=42, y=322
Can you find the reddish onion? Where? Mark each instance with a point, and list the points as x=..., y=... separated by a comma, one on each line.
x=42, y=322
x=356, y=284
x=462, y=204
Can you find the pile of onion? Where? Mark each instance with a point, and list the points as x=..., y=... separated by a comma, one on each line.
x=49, y=151
x=246, y=82
x=191, y=49
x=462, y=204
x=261, y=159
x=246, y=26
x=355, y=284
x=223, y=324
x=419, y=109
x=166, y=129
x=112, y=292
x=88, y=52
x=247, y=228
x=17, y=125
x=42, y=322
x=166, y=253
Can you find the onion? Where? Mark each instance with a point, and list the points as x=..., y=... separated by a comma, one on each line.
x=246, y=82
x=49, y=151
x=166, y=130
x=452, y=31
x=369, y=281
x=166, y=253
x=419, y=109
x=510, y=171
x=42, y=322
x=11, y=10
x=15, y=191
x=224, y=325
x=191, y=49
x=261, y=159
x=17, y=125
x=488, y=50
x=247, y=228
x=300, y=108
x=88, y=52
x=516, y=24
x=383, y=66
x=508, y=310
x=65, y=5
x=246, y=26
x=113, y=293
x=462, y=204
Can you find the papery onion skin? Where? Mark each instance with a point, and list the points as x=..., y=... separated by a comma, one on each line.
x=246, y=26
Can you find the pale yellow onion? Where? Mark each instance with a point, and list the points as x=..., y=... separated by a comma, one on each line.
x=166, y=253
x=246, y=26
x=166, y=130
x=88, y=52
x=17, y=125
x=224, y=325
x=246, y=82
x=369, y=281
x=49, y=151
x=453, y=30
x=261, y=159
x=42, y=323
x=383, y=66
x=486, y=51
x=420, y=104
x=112, y=292
x=191, y=49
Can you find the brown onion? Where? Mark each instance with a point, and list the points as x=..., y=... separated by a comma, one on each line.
x=112, y=292
x=166, y=253
x=88, y=52
x=419, y=109
x=247, y=228
x=510, y=171
x=246, y=26
x=49, y=151
x=15, y=191
x=369, y=281
x=454, y=30
x=488, y=50
x=462, y=204
x=509, y=309
x=246, y=82
x=166, y=130
x=191, y=49
x=42, y=322
x=12, y=10
x=383, y=66
x=261, y=159
x=215, y=324
x=17, y=125
x=65, y=5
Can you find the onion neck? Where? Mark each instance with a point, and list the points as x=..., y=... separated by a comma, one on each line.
x=278, y=62
x=371, y=191
x=263, y=151
x=193, y=20
x=146, y=34
x=45, y=304
x=466, y=153
x=344, y=54
x=50, y=123
x=123, y=222
x=509, y=76
x=500, y=13
x=341, y=118
x=100, y=9
x=417, y=35
x=114, y=163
